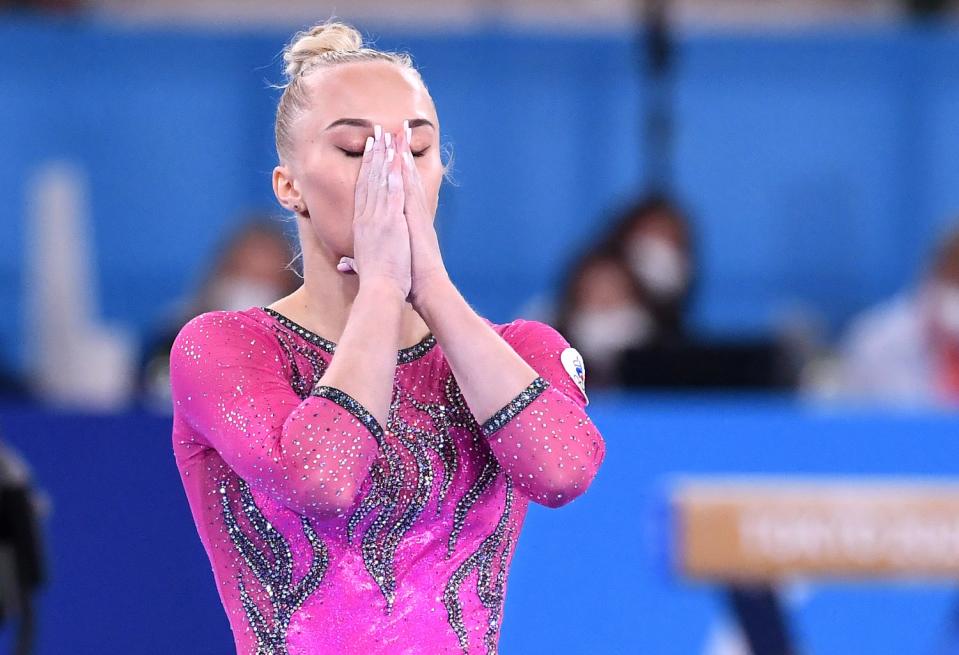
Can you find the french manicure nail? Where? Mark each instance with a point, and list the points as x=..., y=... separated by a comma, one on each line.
x=388, y=138
x=377, y=130
x=369, y=144
x=407, y=131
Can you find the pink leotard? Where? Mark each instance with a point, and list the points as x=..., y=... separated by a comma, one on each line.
x=330, y=534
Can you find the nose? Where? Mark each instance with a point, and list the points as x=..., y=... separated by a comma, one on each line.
x=393, y=126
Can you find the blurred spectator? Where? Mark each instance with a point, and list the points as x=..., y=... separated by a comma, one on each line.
x=625, y=307
x=252, y=269
x=653, y=238
x=906, y=350
x=602, y=313
x=629, y=291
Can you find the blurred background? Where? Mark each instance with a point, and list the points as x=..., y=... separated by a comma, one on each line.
x=743, y=213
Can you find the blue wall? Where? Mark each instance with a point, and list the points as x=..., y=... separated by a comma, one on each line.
x=818, y=165
x=129, y=574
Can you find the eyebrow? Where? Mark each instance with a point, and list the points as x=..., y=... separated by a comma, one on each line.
x=362, y=122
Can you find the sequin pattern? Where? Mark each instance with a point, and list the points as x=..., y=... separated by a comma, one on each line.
x=403, y=356
x=274, y=572
x=383, y=536
x=382, y=574
x=515, y=406
x=349, y=403
x=491, y=551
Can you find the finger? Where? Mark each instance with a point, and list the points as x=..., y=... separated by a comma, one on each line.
x=405, y=149
x=412, y=187
x=391, y=199
x=376, y=168
x=382, y=182
x=395, y=189
x=362, y=178
x=409, y=166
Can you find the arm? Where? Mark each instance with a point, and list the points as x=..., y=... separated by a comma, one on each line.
x=531, y=409
x=229, y=383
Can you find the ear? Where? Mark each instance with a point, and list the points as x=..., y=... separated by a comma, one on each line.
x=286, y=190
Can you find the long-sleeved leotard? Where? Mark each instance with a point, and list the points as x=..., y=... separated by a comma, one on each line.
x=330, y=533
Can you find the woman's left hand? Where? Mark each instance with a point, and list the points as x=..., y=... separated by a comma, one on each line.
x=427, y=269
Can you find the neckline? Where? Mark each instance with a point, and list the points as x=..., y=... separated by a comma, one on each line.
x=403, y=356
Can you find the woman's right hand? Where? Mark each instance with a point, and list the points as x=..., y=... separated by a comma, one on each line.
x=381, y=240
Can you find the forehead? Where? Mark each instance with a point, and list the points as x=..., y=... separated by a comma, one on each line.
x=376, y=90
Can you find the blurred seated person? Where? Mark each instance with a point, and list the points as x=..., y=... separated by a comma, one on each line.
x=253, y=268
x=654, y=240
x=602, y=313
x=906, y=350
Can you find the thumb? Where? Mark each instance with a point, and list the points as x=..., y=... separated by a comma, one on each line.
x=347, y=265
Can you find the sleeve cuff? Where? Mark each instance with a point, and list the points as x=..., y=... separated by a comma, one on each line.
x=353, y=406
x=515, y=406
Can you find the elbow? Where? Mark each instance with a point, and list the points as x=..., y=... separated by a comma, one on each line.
x=557, y=500
x=337, y=500
x=567, y=484
x=324, y=498
x=565, y=488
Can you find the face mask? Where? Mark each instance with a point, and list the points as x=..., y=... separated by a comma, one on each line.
x=601, y=333
x=659, y=265
x=945, y=308
x=237, y=293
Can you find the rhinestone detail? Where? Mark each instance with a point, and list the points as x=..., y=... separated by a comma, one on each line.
x=353, y=406
x=403, y=356
x=515, y=406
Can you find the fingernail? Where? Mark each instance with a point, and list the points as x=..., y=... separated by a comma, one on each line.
x=407, y=131
x=389, y=138
x=408, y=157
x=389, y=152
x=377, y=130
x=369, y=144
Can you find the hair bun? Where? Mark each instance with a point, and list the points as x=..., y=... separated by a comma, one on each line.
x=331, y=36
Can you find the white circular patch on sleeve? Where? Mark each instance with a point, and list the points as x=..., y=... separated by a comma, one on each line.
x=573, y=363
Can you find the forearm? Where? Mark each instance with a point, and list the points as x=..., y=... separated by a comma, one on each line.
x=533, y=418
x=231, y=386
x=364, y=363
x=488, y=371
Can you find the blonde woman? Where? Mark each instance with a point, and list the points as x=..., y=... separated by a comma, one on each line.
x=359, y=455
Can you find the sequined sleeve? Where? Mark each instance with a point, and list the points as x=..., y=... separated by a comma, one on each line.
x=543, y=436
x=229, y=383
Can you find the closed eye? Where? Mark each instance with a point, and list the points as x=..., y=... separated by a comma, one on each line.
x=352, y=153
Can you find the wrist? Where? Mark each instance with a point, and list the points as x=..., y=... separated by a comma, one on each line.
x=431, y=296
x=381, y=289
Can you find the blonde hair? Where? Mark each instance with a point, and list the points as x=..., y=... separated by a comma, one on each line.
x=324, y=45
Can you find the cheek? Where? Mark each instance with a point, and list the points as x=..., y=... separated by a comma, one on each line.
x=431, y=176
x=330, y=187
x=329, y=190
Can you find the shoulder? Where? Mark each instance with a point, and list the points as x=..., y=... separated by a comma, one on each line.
x=218, y=330
x=530, y=332
x=549, y=352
